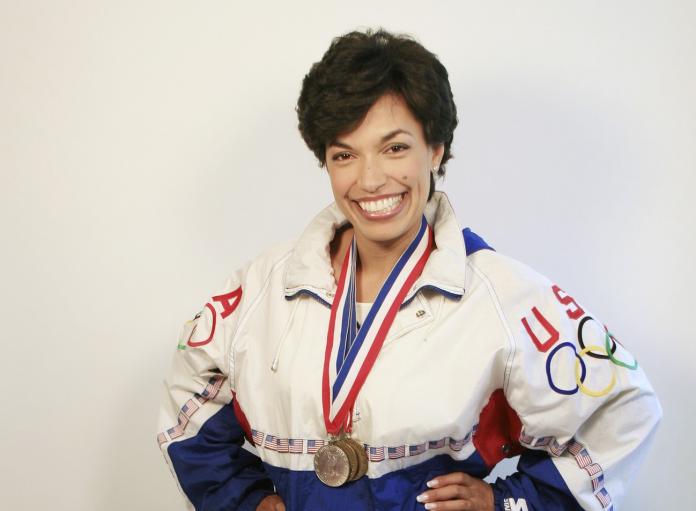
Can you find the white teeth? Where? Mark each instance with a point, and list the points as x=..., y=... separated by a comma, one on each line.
x=382, y=205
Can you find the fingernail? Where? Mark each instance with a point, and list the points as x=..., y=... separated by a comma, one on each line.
x=432, y=484
x=432, y=505
x=422, y=497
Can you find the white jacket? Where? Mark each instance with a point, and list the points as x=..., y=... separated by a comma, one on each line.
x=486, y=359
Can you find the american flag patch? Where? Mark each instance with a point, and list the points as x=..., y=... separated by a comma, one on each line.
x=556, y=448
x=270, y=442
x=414, y=450
x=314, y=445
x=182, y=420
x=211, y=390
x=375, y=453
x=257, y=437
x=583, y=458
x=456, y=445
x=543, y=441
x=574, y=448
x=189, y=408
x=603, y=497
x=598, y=482
x=436, y=444
x=594, y=469
x=394, y=453
x=296, y=445
x=175, y=432
x=525, y=438
x=282, y=444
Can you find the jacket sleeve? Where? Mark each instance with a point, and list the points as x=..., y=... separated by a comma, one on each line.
x=201, y=432
x=586, y=412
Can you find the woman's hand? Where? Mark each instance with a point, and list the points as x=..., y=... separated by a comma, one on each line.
x=457, y=491
x=271, y=503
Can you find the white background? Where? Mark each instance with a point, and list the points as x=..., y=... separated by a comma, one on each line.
x=147, y=149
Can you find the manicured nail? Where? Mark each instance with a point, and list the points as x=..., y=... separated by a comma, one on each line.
x=422, y=497
x=431, y=505
x=432, y=484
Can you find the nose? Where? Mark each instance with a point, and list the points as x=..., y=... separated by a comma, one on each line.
x=371, y=177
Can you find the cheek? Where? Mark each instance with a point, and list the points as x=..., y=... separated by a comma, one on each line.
x=339, y=184
x=414, y=171
x=419, y=182
x=420, y=179
x=409, y=173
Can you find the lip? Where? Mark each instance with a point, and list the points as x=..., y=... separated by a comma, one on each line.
x=381, y=216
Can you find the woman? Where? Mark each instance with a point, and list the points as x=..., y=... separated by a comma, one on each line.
x=386, y=360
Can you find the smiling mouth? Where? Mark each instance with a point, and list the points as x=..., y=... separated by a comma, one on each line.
x=382, y=206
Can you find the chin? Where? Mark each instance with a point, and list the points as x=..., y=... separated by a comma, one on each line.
x=386, y=232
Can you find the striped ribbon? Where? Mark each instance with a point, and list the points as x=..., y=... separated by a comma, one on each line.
x=351, y=353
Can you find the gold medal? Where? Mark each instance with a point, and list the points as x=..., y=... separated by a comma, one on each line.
x=361, y=458
x=332, y=465
x=352, y=457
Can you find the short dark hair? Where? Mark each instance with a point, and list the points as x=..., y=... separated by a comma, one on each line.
x=358, y=69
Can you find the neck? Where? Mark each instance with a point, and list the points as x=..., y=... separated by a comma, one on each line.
x=377, y=258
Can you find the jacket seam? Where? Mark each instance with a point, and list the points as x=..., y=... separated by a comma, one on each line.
x=512, y=345
x=244, y=318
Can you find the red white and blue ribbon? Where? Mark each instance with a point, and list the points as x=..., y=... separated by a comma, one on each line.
x=351, y=352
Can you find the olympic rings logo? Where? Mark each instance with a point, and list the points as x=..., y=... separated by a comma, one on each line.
x=605, y=352
x=588, y=347
x=580, y=372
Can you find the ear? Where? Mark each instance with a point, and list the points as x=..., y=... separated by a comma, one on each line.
x=438, y=153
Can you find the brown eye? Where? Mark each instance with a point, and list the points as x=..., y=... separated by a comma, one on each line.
x=397, y=148
x=340, y=156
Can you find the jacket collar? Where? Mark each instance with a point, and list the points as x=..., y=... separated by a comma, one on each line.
x=309, y=268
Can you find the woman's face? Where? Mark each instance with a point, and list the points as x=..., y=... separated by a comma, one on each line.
x=380, y=173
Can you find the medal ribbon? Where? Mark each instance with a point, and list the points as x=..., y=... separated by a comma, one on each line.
x=351, y=353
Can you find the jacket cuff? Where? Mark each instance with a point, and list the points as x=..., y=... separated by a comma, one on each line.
x=504, y=499
x=498, y=498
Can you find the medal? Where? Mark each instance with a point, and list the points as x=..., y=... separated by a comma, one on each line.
x=360, y=458
x=340, y=461
x=351, y=353
x=332, y=465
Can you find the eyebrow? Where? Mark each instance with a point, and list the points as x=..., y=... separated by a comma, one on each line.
x=385, y=138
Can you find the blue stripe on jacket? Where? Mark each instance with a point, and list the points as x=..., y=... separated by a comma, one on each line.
x=215, y=471
x=396, y=491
